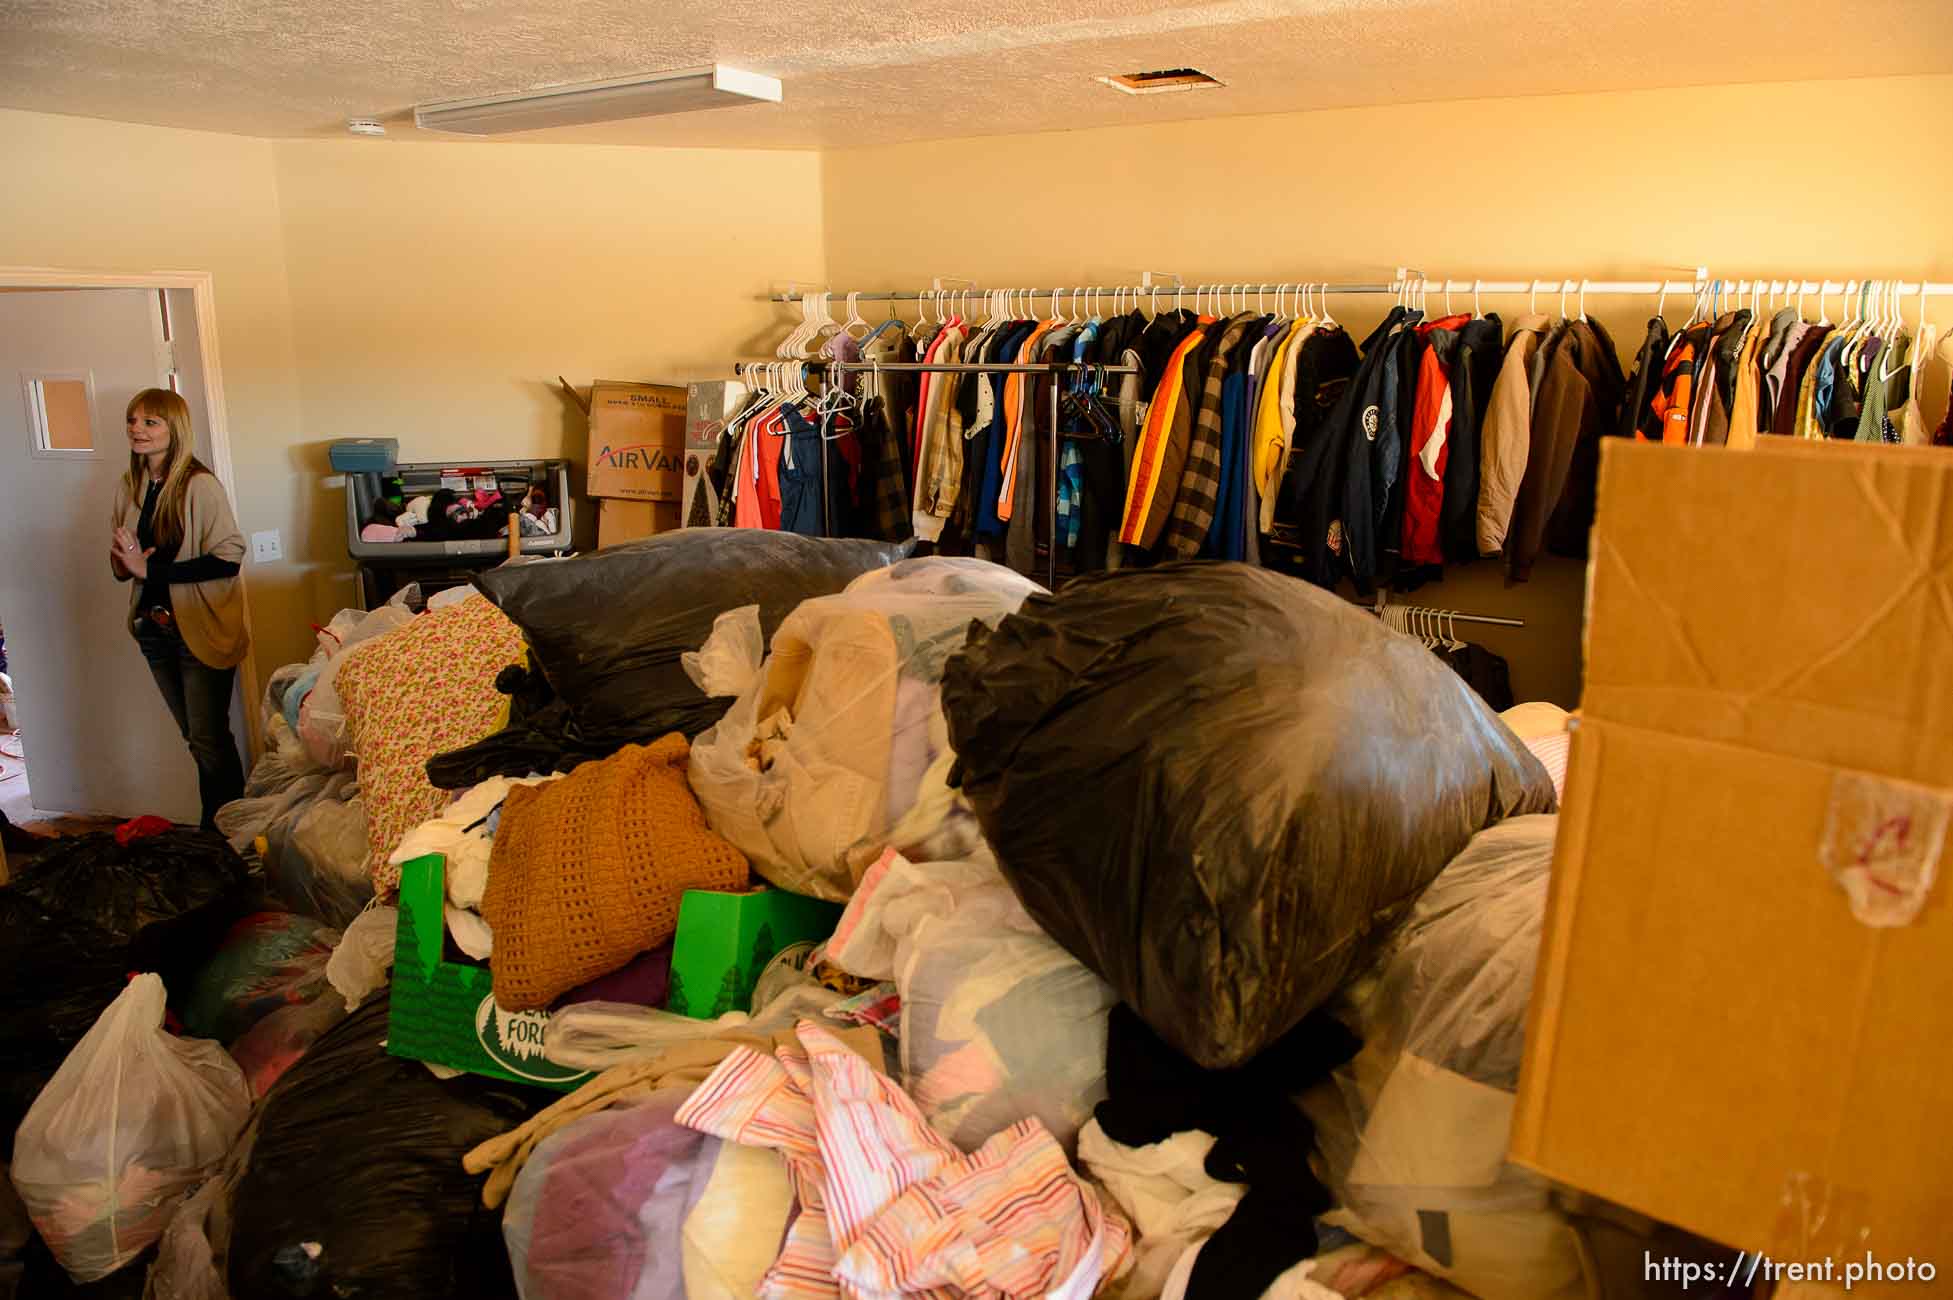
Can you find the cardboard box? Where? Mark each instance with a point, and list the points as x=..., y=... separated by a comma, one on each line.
x=724, y=941
x=637, y=441
x=1720, y=1035
x=707, y=405
x=445, y=1011
x=626, y=521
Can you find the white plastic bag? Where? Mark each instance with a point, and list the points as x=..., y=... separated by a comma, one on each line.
x=729, y=661
x=1413, y=1131
x=837, y=740
x=999, y=1024
x=322, y=717
x=126, y=1128
x=360, y=963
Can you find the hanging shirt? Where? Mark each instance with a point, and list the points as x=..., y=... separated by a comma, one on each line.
x=1200, y=482
x=1018, y=397
x=939, y=466
x=1157, y=461
x=1798, y=377
x=1269, y=444
x=1886, y=380
x=1672, y=404
x=1430, y=434
x=1742, y=409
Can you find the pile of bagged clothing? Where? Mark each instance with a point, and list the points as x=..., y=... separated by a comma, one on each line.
x=737, y=914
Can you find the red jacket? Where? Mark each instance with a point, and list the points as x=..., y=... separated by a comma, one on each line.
x=1430, y=450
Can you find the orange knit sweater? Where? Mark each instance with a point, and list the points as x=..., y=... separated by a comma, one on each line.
x=587, y=871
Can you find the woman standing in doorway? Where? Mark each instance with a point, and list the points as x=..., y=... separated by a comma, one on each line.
x=176, y=539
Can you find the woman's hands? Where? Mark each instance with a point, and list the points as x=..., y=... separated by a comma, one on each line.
x=127, y=557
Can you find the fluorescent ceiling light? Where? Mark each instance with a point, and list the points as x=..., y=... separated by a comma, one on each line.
x=685, y=91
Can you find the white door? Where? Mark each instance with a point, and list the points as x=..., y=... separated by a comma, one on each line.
x=97, y=734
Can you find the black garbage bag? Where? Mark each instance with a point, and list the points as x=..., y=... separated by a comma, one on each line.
x=56, y=977
x=1218, y=787
x=168, y=898
x=355, y=1185
x=607, y=629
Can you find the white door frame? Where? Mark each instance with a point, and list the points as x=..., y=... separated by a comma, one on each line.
x=203, y=294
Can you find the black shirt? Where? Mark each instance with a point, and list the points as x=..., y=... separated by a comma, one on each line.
x=163, y=566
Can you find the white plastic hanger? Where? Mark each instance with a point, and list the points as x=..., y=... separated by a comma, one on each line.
x=854, y=317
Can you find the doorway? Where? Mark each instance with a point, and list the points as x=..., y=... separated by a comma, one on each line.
x=93, y=733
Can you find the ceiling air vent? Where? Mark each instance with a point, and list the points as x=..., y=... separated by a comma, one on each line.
x=1158, y=83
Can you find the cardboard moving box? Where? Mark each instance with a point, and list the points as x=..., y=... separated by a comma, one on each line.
x=626, y=521
x=637, y=441
x=1743, y=1017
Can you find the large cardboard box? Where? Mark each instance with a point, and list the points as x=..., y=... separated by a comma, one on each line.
x=626, y=521
x=1742, y=1021
x=445, y=1011
x=637, y=441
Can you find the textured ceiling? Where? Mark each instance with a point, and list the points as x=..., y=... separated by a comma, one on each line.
x=881, y=71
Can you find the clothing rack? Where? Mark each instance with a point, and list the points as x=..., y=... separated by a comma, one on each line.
x=1411, y=281
x=1447, y=615
x=1053, y=368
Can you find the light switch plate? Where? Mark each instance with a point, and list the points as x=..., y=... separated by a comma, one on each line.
x=266, y=547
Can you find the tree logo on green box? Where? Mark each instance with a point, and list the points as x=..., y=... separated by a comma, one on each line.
x=514, y=1041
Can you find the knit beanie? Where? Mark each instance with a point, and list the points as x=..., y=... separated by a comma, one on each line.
x=587, y=871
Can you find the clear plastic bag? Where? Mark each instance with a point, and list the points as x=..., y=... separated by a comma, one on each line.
x=999, y=1024
x=1413, y=1131
x=726, y=665
x=589, y=1182
x=832, y=745
x=322, y=717
x=269, y=961
x=360, y=962
x=275, y=1043
x=316, y=850
x=128, y=1126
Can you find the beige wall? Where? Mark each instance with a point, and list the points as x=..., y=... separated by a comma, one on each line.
x=429, y=293
x=440, y=289
x=104, y=196
x=1769, y=179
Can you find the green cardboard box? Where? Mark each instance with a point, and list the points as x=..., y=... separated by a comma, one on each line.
x=445, y=1011
x=725, y=940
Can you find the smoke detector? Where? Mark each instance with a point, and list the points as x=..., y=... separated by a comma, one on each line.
x=1161, y=82
x=364, y=126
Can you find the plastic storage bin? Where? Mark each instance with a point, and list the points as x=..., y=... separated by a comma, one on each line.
x=360, y=455
x=364, y=489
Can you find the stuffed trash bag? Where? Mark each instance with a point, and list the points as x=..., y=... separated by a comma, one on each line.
x=1218, y=787
x=354, y=1185
x=837, y=746
x=628, y=1202
x=1413, y=1131
x=124, y=1131
x=608, y=629
x=269, y=960
x=169, y=897
x=57, y=976
x=998, y=1023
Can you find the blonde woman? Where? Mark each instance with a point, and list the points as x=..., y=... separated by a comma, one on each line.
x=176, y=539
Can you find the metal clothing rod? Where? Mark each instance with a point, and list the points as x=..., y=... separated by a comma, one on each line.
x=1428, y=611
x=1447, y=616
x=1419, y=284
x=940, y=368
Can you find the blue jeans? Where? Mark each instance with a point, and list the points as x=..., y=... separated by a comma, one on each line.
x=199, y=698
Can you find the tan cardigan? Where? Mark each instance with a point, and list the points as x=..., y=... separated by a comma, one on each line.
x=210, y=615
